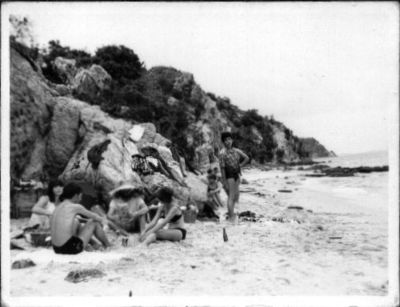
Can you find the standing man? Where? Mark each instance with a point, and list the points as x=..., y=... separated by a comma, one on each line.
x=229, y=159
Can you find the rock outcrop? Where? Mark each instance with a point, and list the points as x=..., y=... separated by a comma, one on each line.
x=325, y=170
x=31, y=107
x=60, y=130
x=52, y=134
x=315, y=149
x=90, y=83
x=65, y=68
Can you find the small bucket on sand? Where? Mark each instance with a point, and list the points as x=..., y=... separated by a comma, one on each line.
x=190, y=216
x=40, y=238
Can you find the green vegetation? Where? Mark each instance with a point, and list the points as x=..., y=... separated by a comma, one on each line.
x=263, y=152
x=142, y=95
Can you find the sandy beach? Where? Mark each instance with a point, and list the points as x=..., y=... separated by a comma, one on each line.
x=335, y=245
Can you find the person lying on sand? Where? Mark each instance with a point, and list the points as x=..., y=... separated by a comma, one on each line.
x=213, y=191
x=173, y=217
x=68, y=236
x=127, y=208
x=45, y=206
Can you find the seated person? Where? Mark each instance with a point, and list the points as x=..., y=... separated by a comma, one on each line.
x=127, y=208
x=68, y=236
x=45, y=206
x=173, y=217
x=213, y=191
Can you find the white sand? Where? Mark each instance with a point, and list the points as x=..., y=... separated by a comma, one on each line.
x=264, y=258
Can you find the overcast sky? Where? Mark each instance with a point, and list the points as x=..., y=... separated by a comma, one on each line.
x=327, y=70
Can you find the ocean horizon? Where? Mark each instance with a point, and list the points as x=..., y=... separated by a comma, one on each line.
x=370, y=158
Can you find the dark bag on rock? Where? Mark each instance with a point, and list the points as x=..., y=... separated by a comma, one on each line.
x=95, y=153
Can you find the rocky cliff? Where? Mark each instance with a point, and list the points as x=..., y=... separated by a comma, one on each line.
x=316, y=149
x=53, y=126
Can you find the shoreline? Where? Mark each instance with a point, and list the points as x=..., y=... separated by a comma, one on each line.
x=287, y=252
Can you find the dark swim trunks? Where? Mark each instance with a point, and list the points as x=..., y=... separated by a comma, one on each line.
x=73, y=246
x=229, y=173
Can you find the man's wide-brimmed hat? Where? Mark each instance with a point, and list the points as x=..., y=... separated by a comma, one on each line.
x=125, y=186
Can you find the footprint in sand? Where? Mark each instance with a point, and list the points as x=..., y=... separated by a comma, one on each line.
x=235, y=271
x=283, y=280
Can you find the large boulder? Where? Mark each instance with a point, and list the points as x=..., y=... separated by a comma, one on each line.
x=65, y=68
x=115, y=163
x=284, y=145
x=64, y=133
x=315, y=149
x=183, y=85
x=150, y=135
x=95, y=127
x=88, y=84
x=31, y=104
x=113, y=169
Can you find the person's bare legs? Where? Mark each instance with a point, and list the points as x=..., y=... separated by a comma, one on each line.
x=93, y=228
x=169, y=235
x=150, y=239
x=218, y=200
x=101, y=235
x=213, y=204
x=231, y=198
x=237, y=191
x=76, y=227
x=86, y=232
x=172, y=235
x=142, y=223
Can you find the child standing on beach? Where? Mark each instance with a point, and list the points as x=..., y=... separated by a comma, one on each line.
x=229, y=159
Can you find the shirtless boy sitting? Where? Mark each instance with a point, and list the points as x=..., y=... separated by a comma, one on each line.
x=67, y=234
x=128, y=209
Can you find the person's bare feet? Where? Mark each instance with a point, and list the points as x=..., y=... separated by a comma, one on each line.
x=233, y=219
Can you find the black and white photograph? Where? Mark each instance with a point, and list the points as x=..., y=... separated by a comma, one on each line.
x=200, y=153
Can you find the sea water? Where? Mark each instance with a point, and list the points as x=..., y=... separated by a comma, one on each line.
x=364, y=191
x=376, y=158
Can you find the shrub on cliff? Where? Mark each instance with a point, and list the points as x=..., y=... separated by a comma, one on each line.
x=54, y=50
x=261, y=152
x=120, y=62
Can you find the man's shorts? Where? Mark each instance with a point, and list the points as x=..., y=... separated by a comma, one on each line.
x=73, y=246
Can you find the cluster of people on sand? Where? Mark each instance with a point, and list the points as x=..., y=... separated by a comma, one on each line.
x=73, y=227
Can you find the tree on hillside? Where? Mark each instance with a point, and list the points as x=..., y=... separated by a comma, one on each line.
x=54, y=50
x=120, y=62
x=21, y=31
x=22, y=39
x=252, y=118
x=279, y=155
